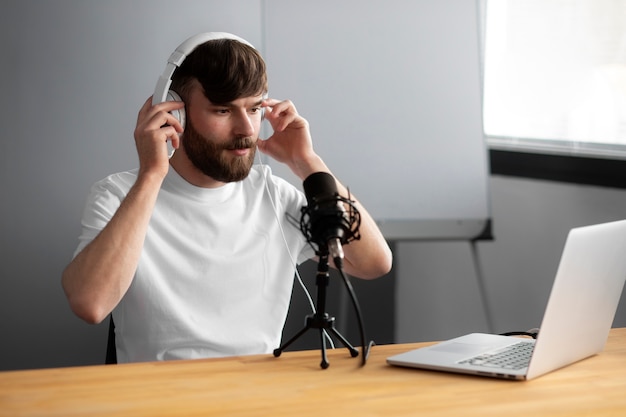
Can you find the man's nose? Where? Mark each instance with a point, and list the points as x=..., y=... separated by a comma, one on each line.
x=244, y=124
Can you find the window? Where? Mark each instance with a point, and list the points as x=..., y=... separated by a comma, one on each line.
x=555, y=77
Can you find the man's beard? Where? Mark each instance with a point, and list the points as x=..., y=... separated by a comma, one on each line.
x=211, y=158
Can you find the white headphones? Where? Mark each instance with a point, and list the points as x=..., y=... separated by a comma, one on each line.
x=162, y=90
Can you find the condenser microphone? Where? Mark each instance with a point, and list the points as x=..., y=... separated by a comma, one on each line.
x=325, y=220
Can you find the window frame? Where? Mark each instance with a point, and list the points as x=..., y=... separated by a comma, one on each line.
x=553, y=160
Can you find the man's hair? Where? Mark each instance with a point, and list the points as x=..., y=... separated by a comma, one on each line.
x=226, y=69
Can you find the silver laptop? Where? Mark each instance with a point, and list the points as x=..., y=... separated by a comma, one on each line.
x=575, y=325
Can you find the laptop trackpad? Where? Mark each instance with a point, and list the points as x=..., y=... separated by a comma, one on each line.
x=473, y=344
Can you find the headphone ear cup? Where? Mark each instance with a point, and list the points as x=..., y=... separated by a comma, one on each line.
x=179, y=114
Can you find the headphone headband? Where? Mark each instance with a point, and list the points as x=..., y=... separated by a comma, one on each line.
x=178, y=56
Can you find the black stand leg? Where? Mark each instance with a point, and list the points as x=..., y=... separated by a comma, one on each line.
x=320, y=320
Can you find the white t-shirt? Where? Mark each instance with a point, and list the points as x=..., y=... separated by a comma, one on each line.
x=215, y=275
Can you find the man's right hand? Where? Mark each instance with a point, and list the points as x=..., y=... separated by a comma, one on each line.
x=155, y=126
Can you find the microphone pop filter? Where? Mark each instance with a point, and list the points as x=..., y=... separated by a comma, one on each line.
x=319, y=185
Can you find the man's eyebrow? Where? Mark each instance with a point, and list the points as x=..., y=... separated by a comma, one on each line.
x=231, y=105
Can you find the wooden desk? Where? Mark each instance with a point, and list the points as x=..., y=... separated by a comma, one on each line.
x=295, y=385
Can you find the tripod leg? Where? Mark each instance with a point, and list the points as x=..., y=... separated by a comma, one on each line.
x=353, y=351
x=285, y=345
x=324, y=363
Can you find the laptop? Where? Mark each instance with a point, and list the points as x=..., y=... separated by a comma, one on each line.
x=576, y=323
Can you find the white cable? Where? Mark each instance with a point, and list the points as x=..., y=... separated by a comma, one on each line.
x=282, y=232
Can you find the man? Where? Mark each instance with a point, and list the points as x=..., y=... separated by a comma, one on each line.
x=194, y=253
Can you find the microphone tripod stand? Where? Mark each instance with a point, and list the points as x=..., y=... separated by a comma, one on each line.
x=320, y=320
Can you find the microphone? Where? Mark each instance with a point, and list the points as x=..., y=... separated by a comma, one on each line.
x=325, y=220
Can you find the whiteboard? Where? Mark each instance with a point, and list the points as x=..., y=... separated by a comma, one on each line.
x=392, y=91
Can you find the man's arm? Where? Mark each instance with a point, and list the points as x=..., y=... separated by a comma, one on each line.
x=370, y=256
x=99, y=276
x=291, y=144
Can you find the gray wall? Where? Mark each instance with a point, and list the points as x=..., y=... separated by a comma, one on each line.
x=437, y=291
x=68, y=122
x=380, y=83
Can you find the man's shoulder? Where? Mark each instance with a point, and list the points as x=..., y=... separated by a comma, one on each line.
x=260, y=174
x=262, y=178
x=118, y=181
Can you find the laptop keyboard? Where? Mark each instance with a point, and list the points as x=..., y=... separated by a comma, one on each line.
x=515, y=356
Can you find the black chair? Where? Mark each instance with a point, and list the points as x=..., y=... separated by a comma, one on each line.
x=111, y=357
